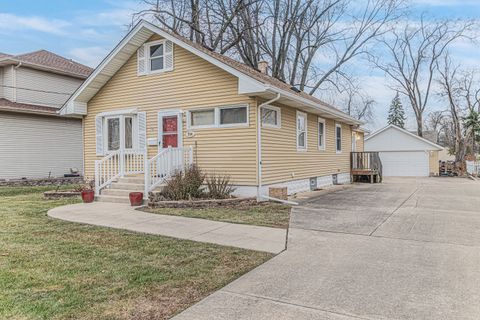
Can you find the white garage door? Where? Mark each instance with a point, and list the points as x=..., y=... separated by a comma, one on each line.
x=405, y=164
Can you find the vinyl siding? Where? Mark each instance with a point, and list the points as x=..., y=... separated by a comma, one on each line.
x=34, y=146
x=360, y=142
x=281, y=160
x=193, y=83
x=44, y=88
x=8, y=82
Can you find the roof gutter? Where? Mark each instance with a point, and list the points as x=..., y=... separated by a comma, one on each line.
x=330, y=110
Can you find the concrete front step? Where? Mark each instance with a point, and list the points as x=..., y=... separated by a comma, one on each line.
x=128, y=186
x=136, y=180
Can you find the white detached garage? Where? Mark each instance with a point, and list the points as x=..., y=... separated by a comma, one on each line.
x=404, y=154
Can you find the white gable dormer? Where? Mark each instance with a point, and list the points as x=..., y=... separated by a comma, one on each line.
x=155, y=57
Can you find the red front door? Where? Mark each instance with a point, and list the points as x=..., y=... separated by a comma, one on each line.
x=170, y=131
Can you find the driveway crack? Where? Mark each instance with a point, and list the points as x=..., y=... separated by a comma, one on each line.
x=393, y=212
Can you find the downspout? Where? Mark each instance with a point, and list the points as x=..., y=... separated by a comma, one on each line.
x=259, y=145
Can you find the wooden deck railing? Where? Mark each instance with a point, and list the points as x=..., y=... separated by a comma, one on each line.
x=366, y=163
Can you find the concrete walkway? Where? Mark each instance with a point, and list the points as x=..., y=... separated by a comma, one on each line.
x=122, y=216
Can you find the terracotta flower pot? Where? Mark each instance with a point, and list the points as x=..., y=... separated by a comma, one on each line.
x=136, y=198
x=88, y=196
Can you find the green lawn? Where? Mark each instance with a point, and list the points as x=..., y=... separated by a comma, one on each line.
x=50, y=269
x=263, y=214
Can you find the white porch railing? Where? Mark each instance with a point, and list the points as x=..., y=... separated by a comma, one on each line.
x=165, y=164
x=473, y=168
x=116, y=165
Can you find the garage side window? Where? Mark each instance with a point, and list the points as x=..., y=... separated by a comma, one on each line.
x=301, y=131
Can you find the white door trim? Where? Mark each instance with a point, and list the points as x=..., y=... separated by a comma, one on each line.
x=170, y=112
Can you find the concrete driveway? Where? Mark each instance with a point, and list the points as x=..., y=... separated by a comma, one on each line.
x=406, y=249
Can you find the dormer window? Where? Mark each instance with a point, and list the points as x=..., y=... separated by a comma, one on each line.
x=155, y=56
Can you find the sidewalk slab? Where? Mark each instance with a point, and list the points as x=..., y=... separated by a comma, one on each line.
x=122, y=216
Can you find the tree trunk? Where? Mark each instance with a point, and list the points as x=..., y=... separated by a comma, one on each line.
x=420, y=125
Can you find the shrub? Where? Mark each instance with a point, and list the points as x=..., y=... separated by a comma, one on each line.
x=185, y=185
x=219, y=187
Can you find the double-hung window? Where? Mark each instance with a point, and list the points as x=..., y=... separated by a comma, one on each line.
x=271, y=117
x=338, y=137
x=227, y=116
x=301, y=131
x=156, y=57
x=321, y=133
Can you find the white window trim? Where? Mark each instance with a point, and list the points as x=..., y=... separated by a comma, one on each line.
x=354, y=141
x=338, y=125
x=148, y=69
x=205, y=126
x=230, y=125
x=279, y=117
x=216, y=121
x=301, y=114
x=324, y=134
x=121, y=117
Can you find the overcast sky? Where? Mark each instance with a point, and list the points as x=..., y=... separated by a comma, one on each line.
x=87, y=30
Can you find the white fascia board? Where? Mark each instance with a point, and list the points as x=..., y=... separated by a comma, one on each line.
x=101, y=66
x=336, y=113
x=405, y=132
x=247, y=86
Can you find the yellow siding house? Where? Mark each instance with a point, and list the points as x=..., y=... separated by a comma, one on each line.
x=158, y=102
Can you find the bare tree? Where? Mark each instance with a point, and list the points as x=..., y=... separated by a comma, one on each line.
x=292, y=35
x=434, y=123
x=414, y=50
x=451, y=89
x=357, y=103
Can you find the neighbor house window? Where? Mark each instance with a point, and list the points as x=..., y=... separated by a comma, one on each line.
x=156, y=57
x=301, y=131
x=271, y=117
x=228, y=116
x=202, y=118
x=321, y=134
x=233, y=115
x=338, y=137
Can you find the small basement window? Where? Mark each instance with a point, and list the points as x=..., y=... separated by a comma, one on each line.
x=271, y=117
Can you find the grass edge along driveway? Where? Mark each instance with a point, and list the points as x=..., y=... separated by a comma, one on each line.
x=51, y=269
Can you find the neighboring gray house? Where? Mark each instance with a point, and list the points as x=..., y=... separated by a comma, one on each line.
x=35, y=142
